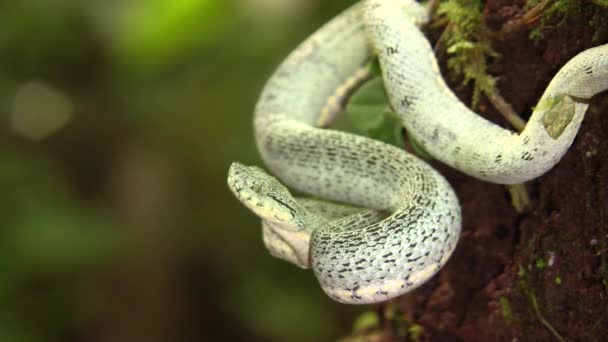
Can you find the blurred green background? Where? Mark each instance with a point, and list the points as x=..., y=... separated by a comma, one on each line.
x=119, y=121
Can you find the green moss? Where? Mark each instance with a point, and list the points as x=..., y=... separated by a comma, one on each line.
x=536, y=34
x=558, y=280
x=599, y=22
x=541, y=318
x=557, y=12
x=506, y=310
x=525, y=285
x=541, y=264
x=366, y=321
x=401, y=327
x=467, y=45
x=365, y=327
x=521, y=272
x=415, y=331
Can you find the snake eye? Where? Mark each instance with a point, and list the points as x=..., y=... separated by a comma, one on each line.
x=249, y=178
x=261, y=185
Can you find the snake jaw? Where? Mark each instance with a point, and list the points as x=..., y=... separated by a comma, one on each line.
x=291, y=246
x=283, y=219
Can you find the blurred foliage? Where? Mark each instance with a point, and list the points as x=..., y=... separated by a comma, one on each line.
x=154, y=33
x=119, y=122
x=49, y=245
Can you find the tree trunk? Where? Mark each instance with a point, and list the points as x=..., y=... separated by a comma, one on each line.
x=541, y=275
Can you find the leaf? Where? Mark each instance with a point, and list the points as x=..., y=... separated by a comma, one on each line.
x=370, y=114
x=374, y=67
x=417, y=147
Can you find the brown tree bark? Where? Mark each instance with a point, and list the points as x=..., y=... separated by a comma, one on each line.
x=541, y=275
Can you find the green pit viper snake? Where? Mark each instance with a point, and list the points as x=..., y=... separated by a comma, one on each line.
x=405, y=219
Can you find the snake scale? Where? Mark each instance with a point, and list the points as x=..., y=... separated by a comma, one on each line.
x=402, y=219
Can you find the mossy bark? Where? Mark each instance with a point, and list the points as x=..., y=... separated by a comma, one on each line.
x=540, y=275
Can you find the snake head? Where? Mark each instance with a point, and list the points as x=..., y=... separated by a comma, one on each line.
x=265, y=196
x=284, y=220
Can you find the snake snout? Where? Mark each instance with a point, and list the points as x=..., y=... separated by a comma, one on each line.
x=247, y=178
x=235, y=169
x=238, y=178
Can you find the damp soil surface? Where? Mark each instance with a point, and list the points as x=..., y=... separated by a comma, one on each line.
x=541, y=275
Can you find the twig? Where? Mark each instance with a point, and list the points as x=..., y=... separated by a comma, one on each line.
x=543, y=320
x=520, y=200
x=519, y=24
x=431, y=6
x=439, y=43
x=506, y=110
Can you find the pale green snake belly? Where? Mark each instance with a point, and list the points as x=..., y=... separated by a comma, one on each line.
x=361, y=256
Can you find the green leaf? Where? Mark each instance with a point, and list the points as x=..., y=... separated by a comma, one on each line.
x=370, y=114
x=417, y=147
x=506, y=310
x=374, y=67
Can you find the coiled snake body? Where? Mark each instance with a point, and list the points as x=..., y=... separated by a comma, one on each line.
x=365, y=255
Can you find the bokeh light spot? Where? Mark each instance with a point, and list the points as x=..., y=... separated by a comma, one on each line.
x=39, y=110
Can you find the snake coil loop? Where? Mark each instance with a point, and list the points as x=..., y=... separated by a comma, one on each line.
x=402, y=221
